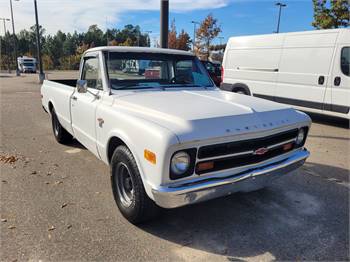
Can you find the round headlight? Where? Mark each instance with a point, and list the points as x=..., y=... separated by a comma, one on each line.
x=301, y=136
x=180, y=163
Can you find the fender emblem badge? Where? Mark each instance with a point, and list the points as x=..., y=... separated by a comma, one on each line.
x=261, y=151
x=100, y=121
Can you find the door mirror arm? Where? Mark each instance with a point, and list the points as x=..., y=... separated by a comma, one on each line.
x=83, y=88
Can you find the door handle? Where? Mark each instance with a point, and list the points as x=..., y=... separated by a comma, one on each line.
x=337, y=80
x=74, y=98
x=321, y=80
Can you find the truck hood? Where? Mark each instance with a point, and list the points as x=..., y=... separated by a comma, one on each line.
x=207, y=114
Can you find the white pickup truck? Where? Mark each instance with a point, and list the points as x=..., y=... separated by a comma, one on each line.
x=169, y=135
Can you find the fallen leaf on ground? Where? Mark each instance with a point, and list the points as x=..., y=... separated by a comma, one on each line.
x=4, y=181
x=48, y=173
x=3, y=220
x=8, y=159
x=69, y=226
x=11, y=227
x=58, y=182
x=34, y=172
x=47, y=182
x=51, y=228
x=64, y=205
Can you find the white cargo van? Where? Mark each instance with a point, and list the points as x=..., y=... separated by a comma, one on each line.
x=309, y=70
x=26, y=64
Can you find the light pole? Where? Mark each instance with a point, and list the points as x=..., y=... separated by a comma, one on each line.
x=164, y=23
x=194, y=33
x=41, y=73
x=148, y=33
x=279, y=15
x=14, y=39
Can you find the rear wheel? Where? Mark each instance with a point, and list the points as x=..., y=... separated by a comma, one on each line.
x=128, y=190
x=61, y=135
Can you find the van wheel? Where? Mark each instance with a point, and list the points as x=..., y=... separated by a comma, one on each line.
x=61, y=135
x=128, y=190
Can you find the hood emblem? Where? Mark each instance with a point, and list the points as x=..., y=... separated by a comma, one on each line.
x=261, y=151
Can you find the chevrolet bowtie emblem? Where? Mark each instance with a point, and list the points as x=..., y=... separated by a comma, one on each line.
x=261, y=151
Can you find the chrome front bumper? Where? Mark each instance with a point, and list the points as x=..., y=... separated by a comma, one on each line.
x=249, y=180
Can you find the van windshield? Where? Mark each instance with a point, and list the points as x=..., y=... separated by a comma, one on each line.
x=152, y=70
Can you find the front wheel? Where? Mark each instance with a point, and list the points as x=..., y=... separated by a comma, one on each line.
x=128, y=190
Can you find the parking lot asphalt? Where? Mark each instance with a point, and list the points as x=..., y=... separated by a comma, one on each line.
x=57, y=203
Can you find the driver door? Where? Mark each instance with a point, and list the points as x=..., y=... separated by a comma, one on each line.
x=84, y=105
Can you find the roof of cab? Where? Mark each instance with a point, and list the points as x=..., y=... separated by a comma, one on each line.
x=127, y=49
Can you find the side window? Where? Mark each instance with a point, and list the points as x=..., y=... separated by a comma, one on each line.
x=91, y=73
x=344, y=60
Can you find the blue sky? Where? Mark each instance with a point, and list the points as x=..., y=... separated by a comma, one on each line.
x=237, y=17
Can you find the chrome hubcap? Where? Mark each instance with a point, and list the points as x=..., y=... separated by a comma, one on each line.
x=124, y=184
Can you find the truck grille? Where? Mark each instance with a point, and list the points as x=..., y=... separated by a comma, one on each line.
x=247, y=145
x=242, y=153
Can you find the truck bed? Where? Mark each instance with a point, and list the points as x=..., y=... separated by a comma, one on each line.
x=68, y=82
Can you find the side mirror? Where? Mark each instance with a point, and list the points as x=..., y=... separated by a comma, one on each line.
x=82, y=86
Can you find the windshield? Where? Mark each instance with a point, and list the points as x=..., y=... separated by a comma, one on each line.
x=28, y=64
x=149, y=70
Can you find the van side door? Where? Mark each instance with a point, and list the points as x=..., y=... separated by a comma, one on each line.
x=340, y=81
x=84, y=105
x=304, y=70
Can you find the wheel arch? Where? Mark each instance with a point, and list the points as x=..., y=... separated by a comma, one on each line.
x=117, y=139
x=50, y=106
x=241, y=87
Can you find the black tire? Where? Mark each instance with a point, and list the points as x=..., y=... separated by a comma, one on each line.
x=241, y=91
x=61, y=135
x=128, y=190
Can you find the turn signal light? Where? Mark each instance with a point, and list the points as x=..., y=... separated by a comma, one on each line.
x=288, y=146
x=150, y=156
x=205, y=166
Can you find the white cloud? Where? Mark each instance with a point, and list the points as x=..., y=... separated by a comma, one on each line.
x=70, y=15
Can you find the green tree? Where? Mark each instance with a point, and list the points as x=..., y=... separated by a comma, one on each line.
x=94, y=36
x=331, y=14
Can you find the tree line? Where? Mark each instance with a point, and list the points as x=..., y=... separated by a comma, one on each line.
x=64, y=50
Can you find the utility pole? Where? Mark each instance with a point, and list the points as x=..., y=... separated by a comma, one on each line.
x=41, y=73
x=164, y=23
x=14, y=40
x=279, y=15
x=5, y=20
x=8, y=61
x=194, y=33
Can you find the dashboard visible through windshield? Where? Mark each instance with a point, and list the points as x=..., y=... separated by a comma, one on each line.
x=152, y=70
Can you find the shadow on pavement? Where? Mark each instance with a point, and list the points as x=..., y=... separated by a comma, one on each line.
x=329, y=120
x=76, y=144
x=293, y=219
